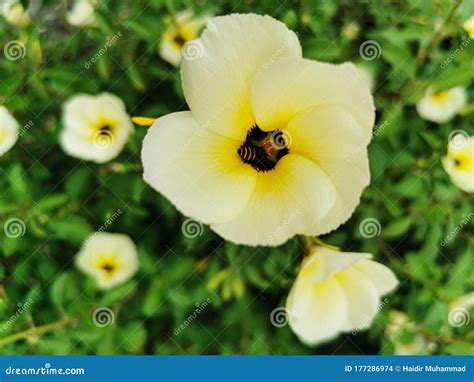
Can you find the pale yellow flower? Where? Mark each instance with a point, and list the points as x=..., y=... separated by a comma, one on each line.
x=15, y=13
x=110, y=258
x=96, y=128
x=469, y=26
x=8, y=130
x=82, y=13
x=274, y=144
x=466, y=302
x=442, y=106
x=180, y=31
x=459, y=161
x=336, y=292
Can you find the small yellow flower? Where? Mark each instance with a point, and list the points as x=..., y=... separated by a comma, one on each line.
x=469, y=26
x=336, y=292
x=274, y=145
x=110, y=258
x=459, y=161
x=82, y=13
x=15, y=14
x=8, y=130
x=96, y=128
x=442, y=106
x=351, y=30
x=181, y=30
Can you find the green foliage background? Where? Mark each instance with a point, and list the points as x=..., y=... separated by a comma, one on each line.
x=62, y=199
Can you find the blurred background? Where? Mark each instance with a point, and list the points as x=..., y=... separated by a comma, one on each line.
x=421, y=223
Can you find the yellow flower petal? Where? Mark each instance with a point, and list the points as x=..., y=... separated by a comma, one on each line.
x=199, y=171
x=289, y=86
x=286, y=201
x=218, y=77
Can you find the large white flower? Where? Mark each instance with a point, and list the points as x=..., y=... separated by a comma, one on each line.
x=181, y=30
x=8, y=130
x=336, y=292
x=110, y=258
x=267, y=150
x=82, y=13
x=96, y=128
x=459, y=161
x=15, y=13
x=441, y=107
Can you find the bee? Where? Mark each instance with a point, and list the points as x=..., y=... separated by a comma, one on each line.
x=247, y=153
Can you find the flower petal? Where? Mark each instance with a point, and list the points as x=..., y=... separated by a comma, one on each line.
x=362, y=298
x=218, y=75
x=287, y=200
x=198, y=171
x=316, y=313
x=331, y=137
x=380, y=275
x=289, y=86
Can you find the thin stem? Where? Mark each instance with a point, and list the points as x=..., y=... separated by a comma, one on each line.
x=37, y=331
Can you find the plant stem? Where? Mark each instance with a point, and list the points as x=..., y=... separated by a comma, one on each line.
x=37, y=331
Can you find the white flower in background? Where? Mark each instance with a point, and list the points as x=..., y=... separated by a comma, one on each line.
x=469, y=26
x=399, y=324
x=267, y=150
x=336, y=292
x=442, y=106
x=82, y=13
x=181, y=30
x=459, y=162
x=15, y=13
x=96, y=128
x=110, y=258
x=8, y=130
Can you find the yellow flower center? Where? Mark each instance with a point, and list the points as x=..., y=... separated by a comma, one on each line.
x=461, y=161
x=103, y=129
x=108, y=266
x=439, y=97
x=262, y=150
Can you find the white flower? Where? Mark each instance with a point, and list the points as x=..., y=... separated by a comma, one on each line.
x=267, y=150
x=464, y=302
x=336, y=292
x=181, y=30
x=398, y=323
x=110, y=258
x=96, y=128
x=440, y=107
x=469, y=26
x=367, y=75
x=459, y=162
x=8, y=130
x=15, y=14
x=82, y=13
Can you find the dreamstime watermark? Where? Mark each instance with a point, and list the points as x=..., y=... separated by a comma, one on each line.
x=466, y=219
x=192, y=228
x=103, y=317
x=458, y=317
x=45, y=370
x=465, y=42
x=379, y=129
x=200, y=307
x=369, y=228
x=368, y=319
x=110, y=42
x=14, y=50
x=103, y=139
x=192, y=50
x=14, y=228
x=280, y=317
x=370, y=50
x=281, y=50
x=280, y=139
x=25, y=128
x=108, y=222
x=21, y=308
x=458, y=139
x=280, y=228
